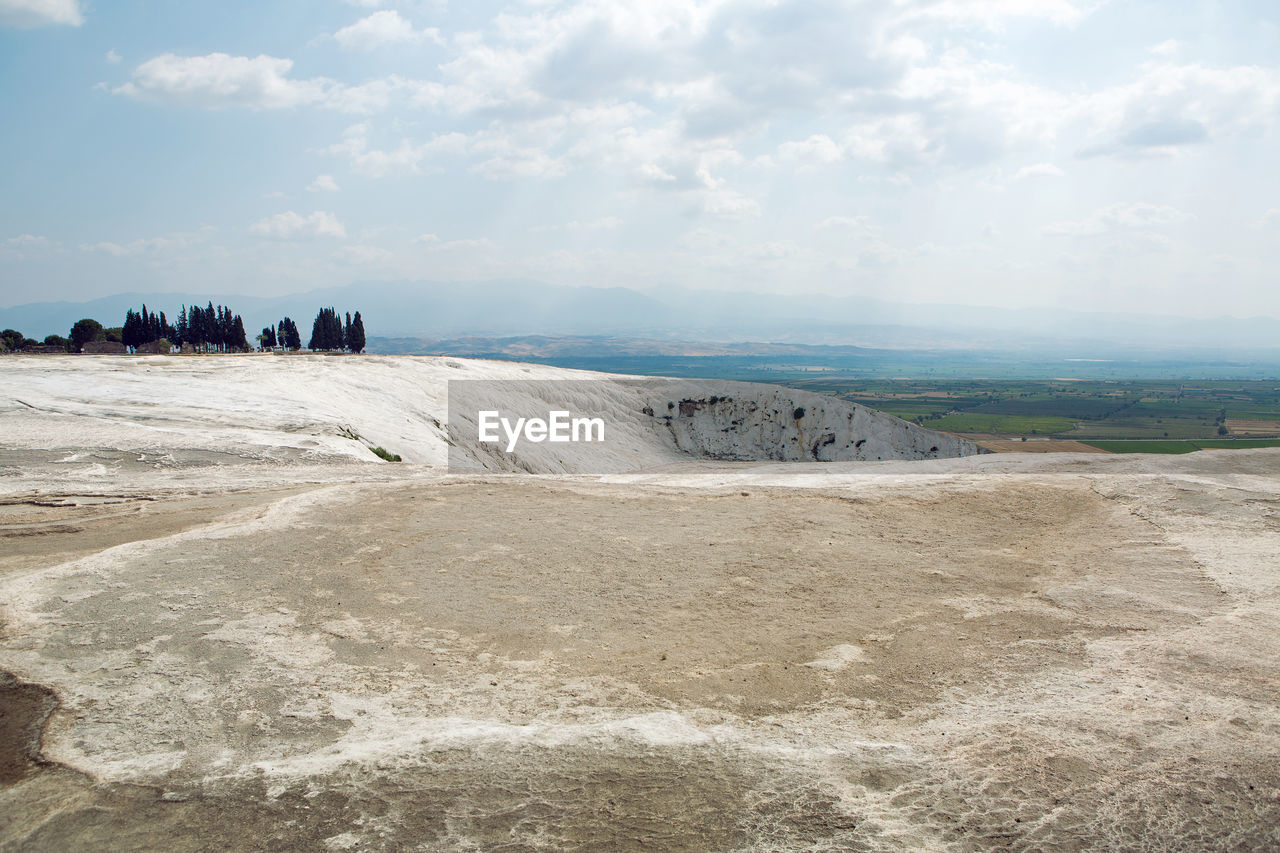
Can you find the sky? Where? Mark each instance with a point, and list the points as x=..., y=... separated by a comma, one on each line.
x=1111, y=156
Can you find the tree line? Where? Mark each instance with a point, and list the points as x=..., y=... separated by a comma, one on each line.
x=210, y=329
x=329, y=332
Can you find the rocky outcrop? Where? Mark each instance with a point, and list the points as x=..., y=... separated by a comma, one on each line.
x=751, y=422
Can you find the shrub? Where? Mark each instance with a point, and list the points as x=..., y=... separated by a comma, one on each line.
x=385, y=455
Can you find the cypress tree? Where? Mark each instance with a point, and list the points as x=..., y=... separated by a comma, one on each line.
x=317, y=332
x=326, y=331
x=238, y=340
x=355, y=337
x=289, y=336
x=129, y=332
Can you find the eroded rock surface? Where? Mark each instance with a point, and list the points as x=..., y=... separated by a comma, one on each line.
x=1071, y=655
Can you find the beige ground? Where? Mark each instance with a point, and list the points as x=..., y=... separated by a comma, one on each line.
x=1040, y=653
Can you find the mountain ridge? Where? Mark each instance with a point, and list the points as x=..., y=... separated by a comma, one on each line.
x=512, y=307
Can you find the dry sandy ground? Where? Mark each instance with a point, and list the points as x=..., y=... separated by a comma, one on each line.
x=1000, y=652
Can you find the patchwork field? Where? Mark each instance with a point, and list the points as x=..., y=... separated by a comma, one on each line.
x=1038, y=446
x=1244, y=426
x=1080, y=410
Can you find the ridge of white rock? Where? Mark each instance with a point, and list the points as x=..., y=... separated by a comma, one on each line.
x=308, y=408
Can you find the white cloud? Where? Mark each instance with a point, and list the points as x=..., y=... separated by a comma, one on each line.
x=857, y=223
x=603, y=224
x=728, y=204
x=1138, y=216
x=364, y=255
x=27, y=241
x=26, y=246
x=383, y=28
x=991, y=14
x=818, y=149
x=40, y=13
x=1039, y=170
x=1170, y=106
x=406, y=158
x=178, y=246
x=288, y=225
x=107, y=248
x=112, y=56
x=1170, y=47
x=518, y=162
x=219, y=80
x=323, y=184
x=1271, y=218
x=483, y=244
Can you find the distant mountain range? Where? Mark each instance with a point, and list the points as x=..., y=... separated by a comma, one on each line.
x=438, y=310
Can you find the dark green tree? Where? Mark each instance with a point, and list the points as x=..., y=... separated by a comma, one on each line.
x=57, y=341
x=236, y=338
x=289, y=336
x=209, y=319
x=192, y=335
x=180, y=329
x=326, y=331
x=317, y=341
x=355, y=337
x=131, y=331
x=83, y=332
x=11, y=339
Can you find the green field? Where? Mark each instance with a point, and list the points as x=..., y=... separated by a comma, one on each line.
x=1236, y=444
x=1144, y=446
x=1181, y=446
x=1002, y=424
x=1091, y=410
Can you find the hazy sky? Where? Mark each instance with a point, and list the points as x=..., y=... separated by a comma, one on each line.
x=1110, y=155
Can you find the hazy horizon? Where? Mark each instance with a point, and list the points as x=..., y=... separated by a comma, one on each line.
x=1074, y=154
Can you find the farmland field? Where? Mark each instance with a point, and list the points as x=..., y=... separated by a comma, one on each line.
x=1210, y=413
x=1140, y=446
x=1002, y=424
